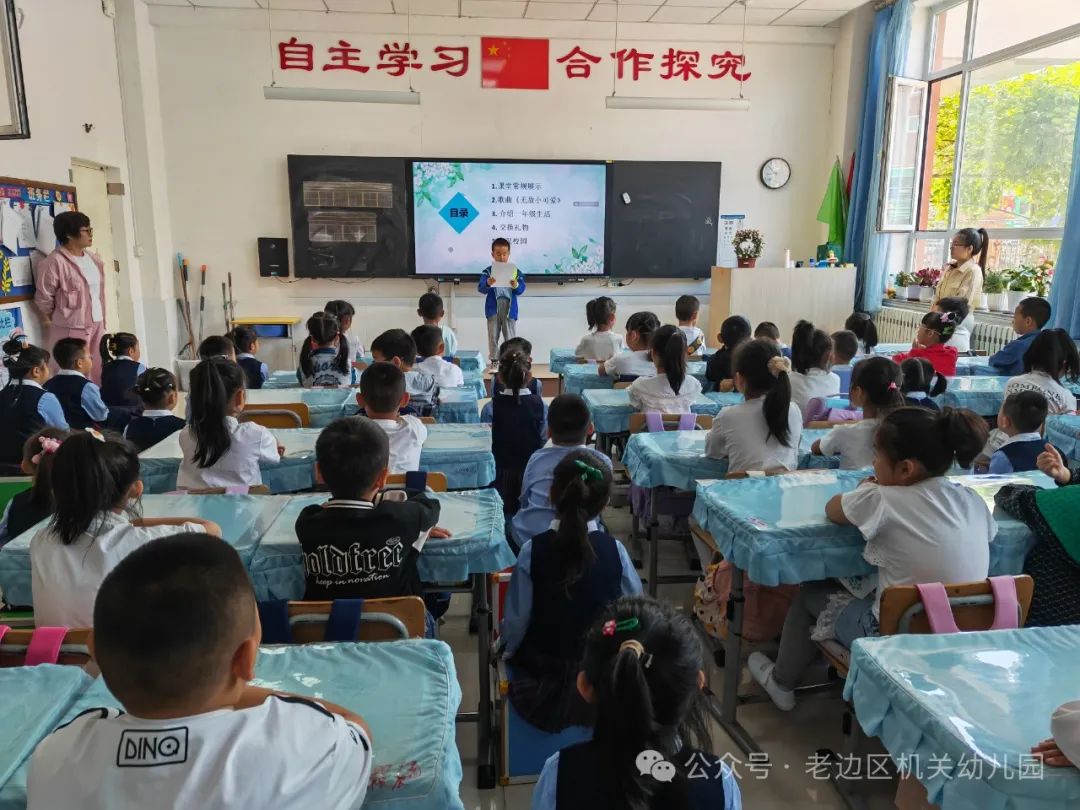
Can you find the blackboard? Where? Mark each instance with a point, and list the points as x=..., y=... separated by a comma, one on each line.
x=669, y=227
x=350, y=216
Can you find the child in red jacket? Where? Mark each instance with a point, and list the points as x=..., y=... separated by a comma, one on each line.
x=936, y=329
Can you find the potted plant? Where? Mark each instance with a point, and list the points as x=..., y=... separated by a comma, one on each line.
x=1021, y=285
x=927, y=279
x=1041, y=275
x=907, y=282
x=748, y=244
x=994, y=287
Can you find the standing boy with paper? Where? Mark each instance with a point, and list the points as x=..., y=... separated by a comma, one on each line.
x=502, y=282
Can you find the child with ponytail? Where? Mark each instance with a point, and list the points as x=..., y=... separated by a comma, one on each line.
x=31, y=506
x=564, y=577
x=931, y=342
x=643, y=675
x=918, y=525
x=157, y=391
x=919, y=382
x=875, y=388
x=763, y=432
x=25, y=406
x=864, y=329
x=120, y=368
x=601, y=342
x=518, y=419
x=671, y=389
x=95, y=486
x=324, y=359
x=811, y=357
x=637, y=362
x=219, y=450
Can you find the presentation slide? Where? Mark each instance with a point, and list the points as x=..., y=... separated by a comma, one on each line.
x=551, y=213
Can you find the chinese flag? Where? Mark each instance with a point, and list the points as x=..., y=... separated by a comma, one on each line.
x=514, y=64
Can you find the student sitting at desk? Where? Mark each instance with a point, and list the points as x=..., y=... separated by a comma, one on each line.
x=919, y=382
x=931, y=343
x=643, y=675
x=811, y=357
x=734, y=331
x=568, y=427
x=1031, y=315
x=517, y=426
x=535, y=386
x=845, y=349
x=363, y=543
x=863, y=327
x=637, y=362
x=430, y=347
x=246, y=340
x=25, y=406
x=919, y=527
x=875, y=389
x=397, y=346
x=95, y=482
x=31, y=506
x=120, y=369
x=602, y=341
x=176, y=635
x=762, y=432
x=218, y=347
x=382, y=396
x=687, y=308
x=1021, y=420
x=344, y=312
x=1051, y=356
x=671, y=389
x=79, y=397
x=563, y=578
x=324, y=359
x=157, y=391
x=431, y=312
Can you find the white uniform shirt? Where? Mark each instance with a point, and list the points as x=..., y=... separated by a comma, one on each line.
x=1065, y=729
x=961, y=338
x=933, y=531
x=285, y=754
x=407, y=435
x=90, y=272
x=739, y=434
x=1058, y=398
x=631, y=364
x=448, y=375
x=65, y=579
x=356, y=347
x=600, y=345
x=853, y=443
x=814, y=383
x=655, y=394
x=693, y=333
x=252, y=444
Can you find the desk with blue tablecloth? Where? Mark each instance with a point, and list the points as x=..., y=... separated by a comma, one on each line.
x=981, y=394
x=579, y=377
x=1063, y=431
x=774, y=531
x=963, y=711
x=324, y=404
x=610, y=409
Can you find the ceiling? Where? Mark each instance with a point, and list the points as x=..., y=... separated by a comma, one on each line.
x=809, y=13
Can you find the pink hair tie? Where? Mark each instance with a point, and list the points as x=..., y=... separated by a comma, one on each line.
x=892, y=386
x=49, y=446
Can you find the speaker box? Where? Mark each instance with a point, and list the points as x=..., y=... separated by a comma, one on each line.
x=273, y=257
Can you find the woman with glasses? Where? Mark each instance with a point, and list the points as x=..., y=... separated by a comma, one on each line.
x=71, y=287
x=963, y=276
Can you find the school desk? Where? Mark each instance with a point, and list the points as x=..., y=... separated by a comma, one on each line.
x=243, y=520
x=774, y=531
x=610, y=410
x=677, y=459
x=579, y=377
x=324, y=404
x=561, y=358
x=964, y=710
x=965, y=366
x=1063, y=431
x=457, y=406
x=981, y=394
x=462, y=452
x=406, y=691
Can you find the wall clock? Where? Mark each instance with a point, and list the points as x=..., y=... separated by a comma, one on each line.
x=775, y=173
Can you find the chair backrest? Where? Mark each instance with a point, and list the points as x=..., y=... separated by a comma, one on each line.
x=74, y=647
x=381, y=619
x=671, y=421
x=771, y=472
x=436, y=481
x=427, y=420
x=280, y=416
x=972, y=604
x=258, y=489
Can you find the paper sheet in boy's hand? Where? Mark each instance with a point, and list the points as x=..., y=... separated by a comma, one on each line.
x=503, y=273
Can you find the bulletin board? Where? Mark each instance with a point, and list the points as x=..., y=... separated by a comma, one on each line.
x=27, y=208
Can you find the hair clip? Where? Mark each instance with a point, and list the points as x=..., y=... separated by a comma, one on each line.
x=778, y=365
x=611, y=627
x=49, y=446
x=95, y=433
x=638, y=649
x=892, y=386
x=588, y=472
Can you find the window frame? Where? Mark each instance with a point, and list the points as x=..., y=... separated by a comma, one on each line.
x=964, y=69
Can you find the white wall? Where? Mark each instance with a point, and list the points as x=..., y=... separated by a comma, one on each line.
x=225, y=148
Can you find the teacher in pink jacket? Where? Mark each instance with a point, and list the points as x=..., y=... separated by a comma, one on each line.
x=70, y=285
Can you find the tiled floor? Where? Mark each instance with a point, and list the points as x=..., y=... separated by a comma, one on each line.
x=790, y=739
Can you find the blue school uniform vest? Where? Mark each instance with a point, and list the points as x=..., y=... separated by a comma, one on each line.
x=516, y=429
x=558, y=622
x=68, y=388
x=1022, y=455
x=20, y=418
x=252, y=371
x=146, y=431
x=118, y=379
x=580, y=785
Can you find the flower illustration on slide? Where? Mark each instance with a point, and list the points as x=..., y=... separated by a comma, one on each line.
x=431, y=179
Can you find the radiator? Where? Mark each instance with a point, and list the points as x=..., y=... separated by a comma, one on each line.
x=896, y=325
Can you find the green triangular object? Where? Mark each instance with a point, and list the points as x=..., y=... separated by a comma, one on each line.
x=833, y=210
x=1060, y=507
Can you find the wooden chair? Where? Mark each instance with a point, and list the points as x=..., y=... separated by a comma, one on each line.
x=258, y=489
x=428, y=420
x=436, y=481
x=391, y=619
x=280, y=416
x=670, y=420
x=618, y=386
x=75, y=649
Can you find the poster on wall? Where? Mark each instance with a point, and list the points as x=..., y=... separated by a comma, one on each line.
x=725, y=249
x=552, y=214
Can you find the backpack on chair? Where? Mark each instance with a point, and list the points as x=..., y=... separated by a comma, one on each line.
x=764, y=610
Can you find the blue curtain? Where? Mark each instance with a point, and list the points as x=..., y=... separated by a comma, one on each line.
x=1065, y=291
x=864, y=246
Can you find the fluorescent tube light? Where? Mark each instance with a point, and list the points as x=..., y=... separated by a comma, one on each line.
x=355, y=96
x=651, y=103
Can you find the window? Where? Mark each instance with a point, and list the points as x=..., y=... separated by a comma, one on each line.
x=1002, y=91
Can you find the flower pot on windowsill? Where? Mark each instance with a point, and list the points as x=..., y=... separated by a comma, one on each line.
x=913, y=292
x=1016, y=296
x=981, y=302
x=749, y=262
x=926, y=294
x=998, y=302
